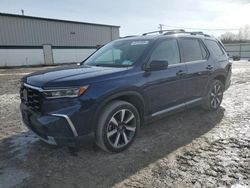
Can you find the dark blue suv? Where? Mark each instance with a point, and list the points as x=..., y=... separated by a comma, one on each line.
x=125, y=84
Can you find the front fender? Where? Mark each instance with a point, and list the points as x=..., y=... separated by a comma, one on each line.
x=104, y=100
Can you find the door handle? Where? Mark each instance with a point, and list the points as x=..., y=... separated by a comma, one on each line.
x=180, y=73
x=209, y=67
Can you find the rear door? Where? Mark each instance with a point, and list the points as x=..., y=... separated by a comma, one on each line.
x=165, y=88
x=195, y=56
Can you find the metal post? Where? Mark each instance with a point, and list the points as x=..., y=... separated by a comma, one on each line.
x=240, y=51
x=160, y=28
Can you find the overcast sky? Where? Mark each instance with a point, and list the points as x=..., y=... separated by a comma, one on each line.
x=138, y=16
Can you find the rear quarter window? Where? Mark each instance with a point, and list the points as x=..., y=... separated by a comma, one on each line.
x=214, y=46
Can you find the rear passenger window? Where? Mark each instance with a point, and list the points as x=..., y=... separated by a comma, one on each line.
x=214, y=46
x=193, y=50
x=167, y=50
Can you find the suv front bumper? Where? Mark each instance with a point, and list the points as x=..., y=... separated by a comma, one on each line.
x=51, y=128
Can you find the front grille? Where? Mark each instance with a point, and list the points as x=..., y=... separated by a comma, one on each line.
x=31, y=97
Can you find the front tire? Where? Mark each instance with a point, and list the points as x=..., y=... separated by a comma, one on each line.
x=214, y=96
x=117, y=126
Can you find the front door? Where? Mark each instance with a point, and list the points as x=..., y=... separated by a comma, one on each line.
x=165, y=89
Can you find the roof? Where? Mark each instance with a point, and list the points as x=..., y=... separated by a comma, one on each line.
x=56, y=20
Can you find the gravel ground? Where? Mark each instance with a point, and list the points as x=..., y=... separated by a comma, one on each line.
x=193, y=148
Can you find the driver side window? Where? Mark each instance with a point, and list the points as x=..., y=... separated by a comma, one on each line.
x=167, y=50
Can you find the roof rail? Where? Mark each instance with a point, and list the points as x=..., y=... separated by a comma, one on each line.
x=176, y=31
x=185, y=32
x=199, y=33
x=161, y=31
x=129, y=36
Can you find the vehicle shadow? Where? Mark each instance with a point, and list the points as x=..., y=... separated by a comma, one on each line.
x=56, y=167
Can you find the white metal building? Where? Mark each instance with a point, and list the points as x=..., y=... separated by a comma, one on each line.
x=27, y=40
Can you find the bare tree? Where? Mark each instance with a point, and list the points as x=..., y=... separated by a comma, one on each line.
x=228, y=37
x=242, y=36
x=244, y=33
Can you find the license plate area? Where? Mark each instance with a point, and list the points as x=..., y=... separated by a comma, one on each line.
x=34, y=127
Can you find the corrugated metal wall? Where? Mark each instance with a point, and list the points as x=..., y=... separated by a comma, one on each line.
x=28, y=57
x=24, y=40
x=23, y=31
x=71, y=55
x=21, y=57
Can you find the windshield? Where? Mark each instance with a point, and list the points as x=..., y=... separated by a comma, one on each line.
x=121, y=53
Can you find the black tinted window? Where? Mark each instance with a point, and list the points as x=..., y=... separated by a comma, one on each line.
x=192, y=50
x=167, y=50
x=214, y=46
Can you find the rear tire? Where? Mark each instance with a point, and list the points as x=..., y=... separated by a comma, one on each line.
x=214, y=96
x=117, y=126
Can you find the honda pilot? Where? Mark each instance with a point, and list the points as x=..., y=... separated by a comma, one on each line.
x=124, y=85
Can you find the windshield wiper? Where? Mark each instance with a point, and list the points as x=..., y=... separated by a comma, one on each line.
x=100, y=65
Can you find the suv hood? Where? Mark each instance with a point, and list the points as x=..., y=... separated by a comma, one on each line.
x=75, y=75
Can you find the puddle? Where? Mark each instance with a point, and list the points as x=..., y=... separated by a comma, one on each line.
x=239, y=186
x=21, y=145
x=10, y=177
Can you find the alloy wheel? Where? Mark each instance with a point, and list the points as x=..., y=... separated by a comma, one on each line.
x=216, y=96
x=121, y=128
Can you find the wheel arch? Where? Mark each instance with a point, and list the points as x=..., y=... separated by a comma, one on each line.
x=218, y=76
x=221, y=78
x=132, y=97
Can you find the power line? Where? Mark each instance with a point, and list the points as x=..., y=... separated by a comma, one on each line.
x=207, y=29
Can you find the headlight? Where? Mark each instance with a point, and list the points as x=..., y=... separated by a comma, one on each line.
x=67, y=92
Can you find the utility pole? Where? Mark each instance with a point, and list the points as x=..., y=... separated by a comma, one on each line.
x=160, y=28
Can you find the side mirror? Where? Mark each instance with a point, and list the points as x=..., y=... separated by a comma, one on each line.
x=156, y=65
